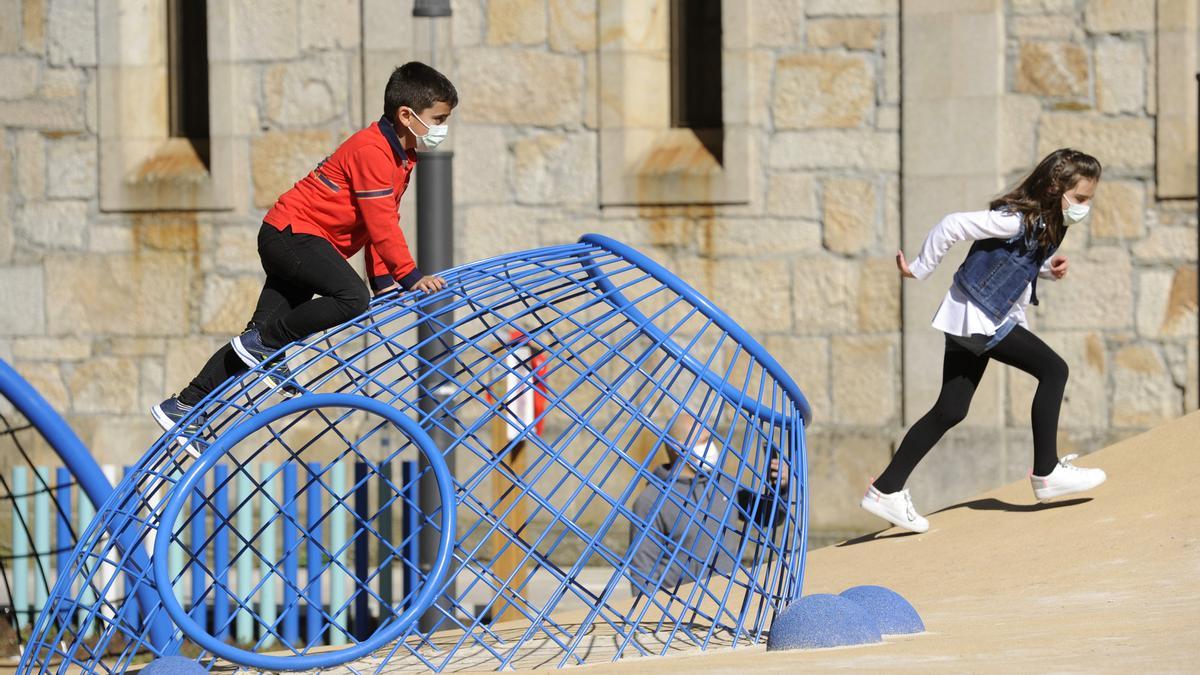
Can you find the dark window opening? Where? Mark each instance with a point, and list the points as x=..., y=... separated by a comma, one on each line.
x=696, y=70
x=187, y=54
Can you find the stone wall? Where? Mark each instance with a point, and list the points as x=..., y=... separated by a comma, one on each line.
x=105, y=312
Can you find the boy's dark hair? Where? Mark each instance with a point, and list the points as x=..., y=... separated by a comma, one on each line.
x=416, y=86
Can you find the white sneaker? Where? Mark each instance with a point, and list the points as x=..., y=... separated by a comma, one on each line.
x=1066, y=479
x=896, y=508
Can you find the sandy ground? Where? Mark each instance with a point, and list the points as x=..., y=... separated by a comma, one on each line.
x=1107, y=582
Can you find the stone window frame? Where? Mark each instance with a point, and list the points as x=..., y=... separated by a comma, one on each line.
x=141, y=167
x=643, y=160
x=1178, y=32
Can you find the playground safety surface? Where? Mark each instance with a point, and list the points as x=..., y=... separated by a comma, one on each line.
x=1106, y=582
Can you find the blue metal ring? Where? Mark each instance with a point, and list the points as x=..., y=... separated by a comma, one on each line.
x=178, y=500
x=672, y=281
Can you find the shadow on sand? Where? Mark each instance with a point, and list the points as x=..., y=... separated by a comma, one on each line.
x=986, y=504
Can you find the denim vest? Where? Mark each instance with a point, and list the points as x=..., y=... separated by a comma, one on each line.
x=996, y=271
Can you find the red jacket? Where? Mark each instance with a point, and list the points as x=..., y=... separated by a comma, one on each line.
x=352, y=199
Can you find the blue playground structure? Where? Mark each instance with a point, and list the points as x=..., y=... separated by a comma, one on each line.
x=408, y=511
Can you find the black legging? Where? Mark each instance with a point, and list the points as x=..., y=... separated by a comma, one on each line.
x=961, y=372
x=298, y=266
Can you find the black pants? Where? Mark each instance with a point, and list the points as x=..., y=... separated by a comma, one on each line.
x=961, y=372
x=298, y=267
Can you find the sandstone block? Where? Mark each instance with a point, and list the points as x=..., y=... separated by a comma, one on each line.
x=841, y=464
x=1042, y=6
x=328, y=24
x=1060, y=27
x=865, y=377
x=22, y=304
x=878, y=296
x=520, y=87
x=757, y=293
x=492, y=230
x=64, y=83
x=824, y=295
x=279, y=159
x=806, y=359
x=31, y=166
x=185, y=356
x=105, y=384
x=1120, y=210
x=555, y=168
x=468, y=24
x=144, y=294
x=852, y=7
x=1018, y=128
x=1153, y=291
x=1118, y=142
x=46, y=115
x=516, y=22
x=266, y=30
x=48, y=380
x=775, y=23
x=20, y=77
x=307, y=93
x=1179, y=319
x=792, y=195
x=1166, y=243
x=53, y=225
x=151, y=387
x=71, y=162
x=1052, y=69
x=10, y=31
x=572, y=25
x=228, y=303
x=1098, y=293
x=71, y=33
x=33, y=13
x=1119, y=16
x=136, y=346
x=836, y=149
x=1120, y=77
x=847, y=33
x=51, y=349
x=851, y=212
x=822, y=91
x=485, y=178
x=1144, y=394
x=1192, y=396
x=112, y=438
x=759, y=237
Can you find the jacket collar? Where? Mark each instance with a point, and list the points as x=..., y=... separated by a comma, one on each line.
x=389, y=132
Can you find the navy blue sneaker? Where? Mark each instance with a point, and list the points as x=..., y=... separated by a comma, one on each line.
x=169, y=414
x=250, y=349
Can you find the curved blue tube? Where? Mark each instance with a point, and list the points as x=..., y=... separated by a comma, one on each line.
x=78, y=459
x=672, y=281
x=178, y=499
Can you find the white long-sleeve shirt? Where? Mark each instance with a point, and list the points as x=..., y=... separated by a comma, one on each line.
x=957, y=315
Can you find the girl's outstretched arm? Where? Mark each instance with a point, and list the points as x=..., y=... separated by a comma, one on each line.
x=964, y=226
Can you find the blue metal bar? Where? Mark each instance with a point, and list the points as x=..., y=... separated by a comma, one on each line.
x=268, y=575
x=243, y=628
x=704, y=305
x=412, y=524
x=291, y=556
x=362, y=543
x=197, y=554
x=178, y=498
x=220, y=557
x=41, y=538
x=314, y=621
x=66, y=539
x=75, y=455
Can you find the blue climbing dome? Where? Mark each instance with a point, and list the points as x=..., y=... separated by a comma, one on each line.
x=455, y=488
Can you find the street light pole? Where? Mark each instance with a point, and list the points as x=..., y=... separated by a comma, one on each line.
x=435, y=253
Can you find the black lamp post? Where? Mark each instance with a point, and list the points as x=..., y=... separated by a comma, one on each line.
x=435, y=253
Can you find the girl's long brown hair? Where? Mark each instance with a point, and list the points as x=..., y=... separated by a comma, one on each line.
x=1039, y=195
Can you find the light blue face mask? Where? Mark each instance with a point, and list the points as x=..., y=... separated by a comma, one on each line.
x=434, y=135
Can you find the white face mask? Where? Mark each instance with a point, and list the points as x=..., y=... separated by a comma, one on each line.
x=1075, y=212
x=433, y=137
x=705, y=455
